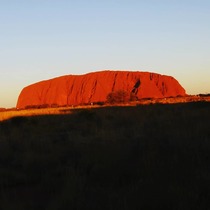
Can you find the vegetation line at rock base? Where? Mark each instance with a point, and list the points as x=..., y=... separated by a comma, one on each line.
x=112, y=100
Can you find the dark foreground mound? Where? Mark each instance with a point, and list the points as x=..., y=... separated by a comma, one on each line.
x=94, y=87
x=146, y=157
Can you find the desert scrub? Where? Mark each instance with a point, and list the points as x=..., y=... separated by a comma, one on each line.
x=143, y=157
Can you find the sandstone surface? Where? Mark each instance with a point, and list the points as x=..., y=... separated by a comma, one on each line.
x=94, y=87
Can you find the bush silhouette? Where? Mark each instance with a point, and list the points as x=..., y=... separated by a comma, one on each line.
x=119, y=96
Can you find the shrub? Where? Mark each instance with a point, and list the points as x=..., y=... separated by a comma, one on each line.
x=100, y=103
x=119, y=96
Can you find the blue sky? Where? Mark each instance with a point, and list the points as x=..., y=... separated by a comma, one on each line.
x=42, y=39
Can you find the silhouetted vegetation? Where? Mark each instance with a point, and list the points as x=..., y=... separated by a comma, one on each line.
x=41, y=106
x=119, y=96
x=100, y=103
x=204, y=95
x=126, y=158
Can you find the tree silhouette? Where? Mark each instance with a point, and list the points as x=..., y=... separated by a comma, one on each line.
x=119, y=96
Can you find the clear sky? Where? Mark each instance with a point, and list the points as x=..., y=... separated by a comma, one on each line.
x=42, y=39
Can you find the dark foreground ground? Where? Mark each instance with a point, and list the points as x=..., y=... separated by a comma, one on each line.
x=114, y=158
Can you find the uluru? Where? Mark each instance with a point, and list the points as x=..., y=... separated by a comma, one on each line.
x=94, y=87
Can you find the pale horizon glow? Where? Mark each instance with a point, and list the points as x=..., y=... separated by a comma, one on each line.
x=43, y=39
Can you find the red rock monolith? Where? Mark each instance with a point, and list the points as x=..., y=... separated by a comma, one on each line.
x=94, y=87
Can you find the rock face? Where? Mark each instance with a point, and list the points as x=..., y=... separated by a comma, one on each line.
x=94, y=87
